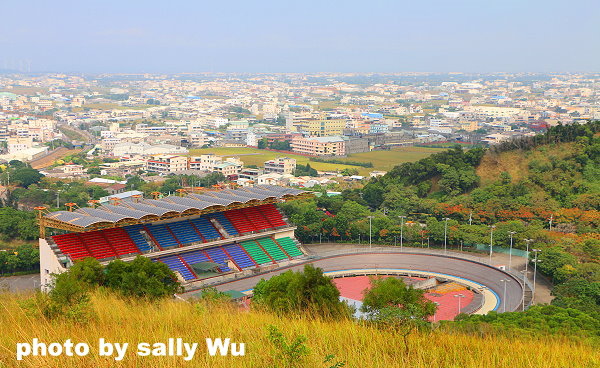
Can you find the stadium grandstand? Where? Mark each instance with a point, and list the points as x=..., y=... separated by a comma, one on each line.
x=197, y=234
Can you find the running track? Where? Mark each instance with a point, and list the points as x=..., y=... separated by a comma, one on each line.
x=477, y=272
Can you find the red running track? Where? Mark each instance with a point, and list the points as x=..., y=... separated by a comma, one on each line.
x=354, y=287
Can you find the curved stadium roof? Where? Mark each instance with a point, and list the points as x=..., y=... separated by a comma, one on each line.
x=156, y=208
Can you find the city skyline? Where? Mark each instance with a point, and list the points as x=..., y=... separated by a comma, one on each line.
x=383, y=37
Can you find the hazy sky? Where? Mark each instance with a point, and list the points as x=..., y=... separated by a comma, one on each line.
x=301, y=36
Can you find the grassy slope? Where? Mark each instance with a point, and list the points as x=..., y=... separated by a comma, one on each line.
x=360, y=346
x=516, y=162
x=382, y=160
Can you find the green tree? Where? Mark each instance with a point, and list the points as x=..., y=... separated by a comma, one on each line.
x=26, y=176
x=391, y=304
x=300, y=292
x=142, y=278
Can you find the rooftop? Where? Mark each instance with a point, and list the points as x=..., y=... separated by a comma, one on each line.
x=138, y=210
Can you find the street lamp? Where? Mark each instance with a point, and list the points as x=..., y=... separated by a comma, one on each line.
x=511, y=233
x=524, y=272
x=370, y=228
x=527, y=241
x=445, y=233
x=401, y=230
x=492, y=227
x=504, y=295
x=535, y=262
x=459, y=296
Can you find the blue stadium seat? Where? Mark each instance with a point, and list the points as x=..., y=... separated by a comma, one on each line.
x=225, y=223
x=138, y=239
x=175, y=263
x=163, y=236
x=239, y=256
x=207, y=229
x=185, y=232
x=218, y=256
x=194, y=257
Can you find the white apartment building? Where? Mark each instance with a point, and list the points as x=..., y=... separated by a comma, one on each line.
x=165, y=164
x=205, y=162
x=280, y=165
x=109, y=144
x=198, y=139
x=16, y=144
x=228, y=168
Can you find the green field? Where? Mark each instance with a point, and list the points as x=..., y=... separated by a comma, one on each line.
x=386, y=160
x=382, y=160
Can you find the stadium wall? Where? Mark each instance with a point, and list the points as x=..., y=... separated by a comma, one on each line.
x=49, y=264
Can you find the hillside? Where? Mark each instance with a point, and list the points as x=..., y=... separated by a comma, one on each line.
x=517, y=162
x=359, y=346
x=545, y=190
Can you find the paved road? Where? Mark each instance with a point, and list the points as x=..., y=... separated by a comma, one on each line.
x=20, y=283
x=480, y=273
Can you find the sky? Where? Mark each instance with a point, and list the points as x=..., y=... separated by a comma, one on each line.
x=176, y=36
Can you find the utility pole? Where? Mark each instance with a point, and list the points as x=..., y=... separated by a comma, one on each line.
x=471, y=218
x=445, y=234
x=401, y=230
x=510, y=251
x=551, y=218
x=370, y=228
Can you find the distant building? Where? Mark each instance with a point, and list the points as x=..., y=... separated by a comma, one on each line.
x=317, y=125
x=122, y=195
x=164, y=164
x=15, y=145
x=319, y=146
x=66, y=171
x=249, y=174
x=227, y=168
x=355, y=145
x=280, y=165
x=124, y=149
x=205, y=162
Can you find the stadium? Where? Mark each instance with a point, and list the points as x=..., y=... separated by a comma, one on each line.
x=232, y=238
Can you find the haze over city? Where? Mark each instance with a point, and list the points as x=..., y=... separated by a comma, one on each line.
x=310, y=36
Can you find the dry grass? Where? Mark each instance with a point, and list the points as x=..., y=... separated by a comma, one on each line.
x=516, y=162
x=359, y=346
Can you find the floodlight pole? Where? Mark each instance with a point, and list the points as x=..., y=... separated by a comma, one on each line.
x=491, y=241
x=534, y=272
x=504, y=295
x=527, y=241
x=524, y=272
x=459, y=296
x=401, y=230
x=510, y=251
